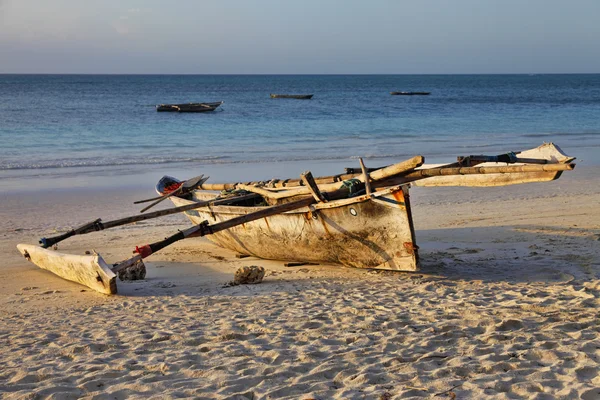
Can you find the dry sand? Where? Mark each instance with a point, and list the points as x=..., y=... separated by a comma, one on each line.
x=505, y=307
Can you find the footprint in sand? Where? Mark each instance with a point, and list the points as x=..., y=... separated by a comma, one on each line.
x=164, y=285
x=592, y=394
x=509, y=325
x=587, y=374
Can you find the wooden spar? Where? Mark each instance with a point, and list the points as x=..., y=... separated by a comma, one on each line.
x=98, y=225
x=400, y=167
x=263, y=192
x=456, y=171
x=311, y=185
x=470, y=161
x=424, y=173
x=365, y=176
x=395, y=169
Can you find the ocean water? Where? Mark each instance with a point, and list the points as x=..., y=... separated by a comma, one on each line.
x=61, y=124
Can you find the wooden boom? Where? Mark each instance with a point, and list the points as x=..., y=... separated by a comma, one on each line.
x=381, y=173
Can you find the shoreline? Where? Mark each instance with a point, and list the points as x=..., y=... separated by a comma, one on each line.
x=140, y=176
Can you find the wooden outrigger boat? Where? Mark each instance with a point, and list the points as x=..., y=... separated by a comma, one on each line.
x=410, y=93
x=188, y=107
x=360, y=219
x=292, y=96
x=374, y=231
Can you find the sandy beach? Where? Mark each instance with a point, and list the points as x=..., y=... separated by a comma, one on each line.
x=504, y=307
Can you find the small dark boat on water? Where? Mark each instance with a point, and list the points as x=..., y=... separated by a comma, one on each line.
x=291, y=96
x=195, y=108
x=189, y=107
x=410, y=93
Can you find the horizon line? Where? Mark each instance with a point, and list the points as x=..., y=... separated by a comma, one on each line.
x=297, y=74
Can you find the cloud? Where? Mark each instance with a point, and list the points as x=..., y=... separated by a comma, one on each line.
x=138, y=10
x=128, y=22
x=121, y=27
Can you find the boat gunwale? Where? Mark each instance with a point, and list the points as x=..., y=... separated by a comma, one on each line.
x=311, y=208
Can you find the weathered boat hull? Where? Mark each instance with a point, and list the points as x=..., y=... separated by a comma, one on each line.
x=362, y=232
x=179, y=107
x=196, y=108
x=90, y=271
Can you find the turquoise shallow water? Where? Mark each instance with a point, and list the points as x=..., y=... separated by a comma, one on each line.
x=55, y=125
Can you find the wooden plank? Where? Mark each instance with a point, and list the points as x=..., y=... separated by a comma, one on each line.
x=311, y=185
x=366, y=177
x=90, y=271
x=398, y=168
x=265, y=193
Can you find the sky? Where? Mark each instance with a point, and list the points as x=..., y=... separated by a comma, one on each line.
x=300, y=37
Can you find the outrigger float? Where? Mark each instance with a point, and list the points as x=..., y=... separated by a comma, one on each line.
x=359, y=219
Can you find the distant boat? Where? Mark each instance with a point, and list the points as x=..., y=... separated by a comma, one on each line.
x=291, y=96
x=410, y=93
x=195, y=108
x=189, y=107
